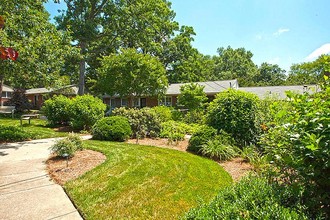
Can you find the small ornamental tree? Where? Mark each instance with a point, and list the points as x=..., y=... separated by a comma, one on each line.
x=237, y=113
x=192, y=96
x=130, y=74
x=19, y=100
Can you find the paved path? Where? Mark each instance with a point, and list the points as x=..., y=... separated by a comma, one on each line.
x=26, y=191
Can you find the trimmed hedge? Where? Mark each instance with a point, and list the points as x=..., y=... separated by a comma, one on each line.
x=114, y=128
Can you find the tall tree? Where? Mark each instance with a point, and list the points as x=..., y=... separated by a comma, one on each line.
x=235, y=64
x=308, y=72
x=103, y=27
x=269, y=75
x=41, y=47
x=131, y=74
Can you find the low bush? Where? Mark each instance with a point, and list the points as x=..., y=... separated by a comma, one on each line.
x=57, y=110
x=220, y=148
x=68, y=146
x=251, y=198
x=114, y=128
x=144, y=122
x=85, y=111
x=201, y=137
x=174, y=131
x=194, y=116
x=13, y=133
x=163, y=113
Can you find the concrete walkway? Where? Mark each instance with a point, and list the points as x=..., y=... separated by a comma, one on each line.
x=26, y=191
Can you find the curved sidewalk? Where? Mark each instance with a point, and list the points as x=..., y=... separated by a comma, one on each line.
x=26, y=190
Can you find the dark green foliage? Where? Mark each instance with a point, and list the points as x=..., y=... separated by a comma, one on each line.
x=114, y=128
x=144, y=122
x=201, y=137
x=221, y=147
x=57, y=110
x=68, y=146
x=85, y=111
x=237, y=113
x=300, y=145
x=251, y=198
x=13, y=133
x=19, y=100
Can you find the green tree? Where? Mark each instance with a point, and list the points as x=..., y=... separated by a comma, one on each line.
x=103, y=27
x=269, y=75
x=130, y=74
x=42, y=49
x=192, y=96
x=308, y=72
x=235, y=64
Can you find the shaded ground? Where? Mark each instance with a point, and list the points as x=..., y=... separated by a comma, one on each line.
x=86, y=160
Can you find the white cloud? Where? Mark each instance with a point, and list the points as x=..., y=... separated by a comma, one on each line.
x=281, y=31
x=324, y=49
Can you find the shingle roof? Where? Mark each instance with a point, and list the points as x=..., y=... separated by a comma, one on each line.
x=210, y=87
x=6, y=88
x=279, y=91
x=37, y=91
x=73, y=90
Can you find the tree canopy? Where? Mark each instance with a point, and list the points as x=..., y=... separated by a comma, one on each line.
x=131, y=73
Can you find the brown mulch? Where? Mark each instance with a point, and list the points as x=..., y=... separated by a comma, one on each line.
x=86, y=160
x=79, y=164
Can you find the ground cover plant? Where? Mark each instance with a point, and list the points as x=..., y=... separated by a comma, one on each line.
x=144, y=182
x=36, y=130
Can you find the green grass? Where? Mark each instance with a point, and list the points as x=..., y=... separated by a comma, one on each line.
x=143, y=182
x=38, y=128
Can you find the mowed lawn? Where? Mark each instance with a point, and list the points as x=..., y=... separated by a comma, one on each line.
x=144, y=182
x=38, y=128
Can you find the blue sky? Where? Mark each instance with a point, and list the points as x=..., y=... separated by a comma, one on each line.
x=275, y=31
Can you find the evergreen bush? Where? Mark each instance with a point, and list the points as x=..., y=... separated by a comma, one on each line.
x=113, y=128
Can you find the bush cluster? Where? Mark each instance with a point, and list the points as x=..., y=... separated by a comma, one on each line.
x=251, y=198
x=144, y=122
x=68, y=146
x=237, y=113
x=114, y=128
x=201, y=137
x=13, y=133
x=81, y=112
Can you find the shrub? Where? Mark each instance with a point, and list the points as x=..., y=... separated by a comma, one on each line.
x=85, y=111
x=163, y=113
x=13, y=133
x=114, y=128
x=201, y=137
x=194, y=116
x=174, y=131
x=57, y=110
x=144, y=122
x=220, y=148
x=251, y=198
x=68, y=146
x=237, y=113
x=192, y=96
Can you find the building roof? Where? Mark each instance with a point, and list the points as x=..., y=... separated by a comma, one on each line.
x=70, y=89
x=6, y=88
x=210, y=87
x=279, y=91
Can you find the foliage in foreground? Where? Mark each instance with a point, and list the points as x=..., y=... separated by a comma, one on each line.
x=144, y=182
x=68, y=146
x=201, y=137
x=114, y=128
x=251, y=198
x=57, y=110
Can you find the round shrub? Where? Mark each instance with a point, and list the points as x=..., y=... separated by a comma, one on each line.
x=201, y=137
x=85, y=111
x=237, y=113
x=57, y=110
x=114, y=128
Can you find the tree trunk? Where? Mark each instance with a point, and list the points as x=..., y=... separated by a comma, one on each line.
x=1, y=86
x=82, y=69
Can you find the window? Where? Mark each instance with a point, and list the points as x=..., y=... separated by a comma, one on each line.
x=124, y=102
x=167, y=101
x=6, y=94
x=136, y=102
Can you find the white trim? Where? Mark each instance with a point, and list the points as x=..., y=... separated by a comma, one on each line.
x=166, y=101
